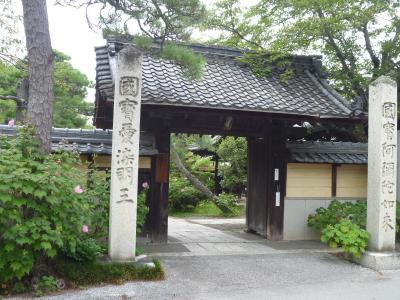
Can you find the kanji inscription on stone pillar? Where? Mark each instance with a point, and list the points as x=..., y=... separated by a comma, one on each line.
x=382, y=164
x=125, y=155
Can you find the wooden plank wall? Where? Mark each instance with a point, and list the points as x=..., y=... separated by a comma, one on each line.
x=315, y=181
x=309, y=180
x=352, y=181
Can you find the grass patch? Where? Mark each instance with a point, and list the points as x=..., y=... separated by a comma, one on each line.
x=82, y=274
x=208, y=209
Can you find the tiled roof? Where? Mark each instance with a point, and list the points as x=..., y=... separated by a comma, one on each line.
x=328, y=152
x=228, y=84
x=87, y=141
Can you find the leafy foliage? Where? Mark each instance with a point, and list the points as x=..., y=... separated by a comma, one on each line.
x=9, y=78
x=31, y=186
x=87, y=249
x=359, y=39
x=159, y=19
x=98, y=195
x=192, y=62
x=338, y=211
x=10, y=42
x=233, y=163
x=161, y=23
x=343, y=224
x=142, y=209
x=228, y=200
x=43, y=213
x=70, y=89
x=46, y=284
x=347, y=235
x=182, y=195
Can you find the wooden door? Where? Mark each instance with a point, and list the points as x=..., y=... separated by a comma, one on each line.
x=256, y=209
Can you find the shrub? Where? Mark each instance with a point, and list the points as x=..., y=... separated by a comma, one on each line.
x=98, y=195
x=99, y=200
x=40, y=210
x=87, y=249
x=183, y=196
x=343, y=224
x=46, y=284
x=338, y=211
x=142, y=208
x=227, y=200
x=347, y=235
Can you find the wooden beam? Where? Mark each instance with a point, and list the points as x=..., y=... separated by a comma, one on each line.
x=334, y=180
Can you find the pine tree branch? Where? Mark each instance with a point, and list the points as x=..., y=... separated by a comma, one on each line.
x=14, y=98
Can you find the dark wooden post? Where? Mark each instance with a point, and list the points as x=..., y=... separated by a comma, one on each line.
x=256, y=208
x=158, y=208
x=276, y=180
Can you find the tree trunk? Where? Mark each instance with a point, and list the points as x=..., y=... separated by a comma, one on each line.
x=196, y=182
x=40, y=61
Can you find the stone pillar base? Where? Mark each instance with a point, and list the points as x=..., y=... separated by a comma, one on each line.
x=379, y=261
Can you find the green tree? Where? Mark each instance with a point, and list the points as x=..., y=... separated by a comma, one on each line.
x=10, y=76
x=159, y=23
x=233, y=163
x=10, y=43
x=360, y=39
x=70, y=89
x=70, y=85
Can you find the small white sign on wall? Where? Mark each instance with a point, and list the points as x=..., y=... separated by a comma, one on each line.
x=276, y=174
x=277, y=199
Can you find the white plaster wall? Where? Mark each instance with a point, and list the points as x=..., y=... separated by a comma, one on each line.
x=296, y=213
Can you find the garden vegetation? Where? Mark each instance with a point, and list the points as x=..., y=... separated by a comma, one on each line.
x=343, y=225
x=54, y=220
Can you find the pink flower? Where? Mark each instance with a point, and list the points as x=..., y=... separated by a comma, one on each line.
x=85, y=229
x=145, y=185
x=11, y=123
x=78, y=189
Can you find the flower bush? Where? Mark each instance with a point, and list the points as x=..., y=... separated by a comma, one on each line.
x=52, y=208
x=40, y=210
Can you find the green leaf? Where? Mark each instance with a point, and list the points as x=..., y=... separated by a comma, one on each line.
x=40, y=193
x=45, y=245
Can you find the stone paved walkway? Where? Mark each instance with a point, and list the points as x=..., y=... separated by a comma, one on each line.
x=218, y=236
x=209, y=259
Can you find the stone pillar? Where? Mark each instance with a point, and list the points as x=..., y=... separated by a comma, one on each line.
x=382, y=160
x=125, y=155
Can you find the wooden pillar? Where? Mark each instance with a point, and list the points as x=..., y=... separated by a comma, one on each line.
x=276, y=181
x=158, y=208
x=256, y=208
